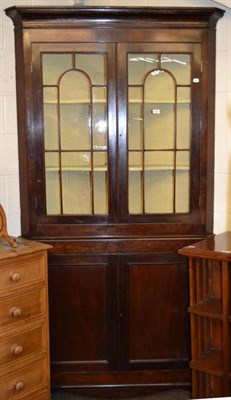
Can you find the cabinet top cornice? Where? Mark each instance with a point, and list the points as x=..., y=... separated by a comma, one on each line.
x=200, y=16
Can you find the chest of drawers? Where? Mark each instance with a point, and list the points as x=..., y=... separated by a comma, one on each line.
x=24, y=340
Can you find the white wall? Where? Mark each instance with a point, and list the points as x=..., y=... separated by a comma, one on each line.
x=9, y=182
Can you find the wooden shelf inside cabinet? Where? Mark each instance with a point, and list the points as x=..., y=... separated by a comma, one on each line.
x=74, y=102
x=210, y=307
x=131, y=169
x=154, y=102
x=210, y=362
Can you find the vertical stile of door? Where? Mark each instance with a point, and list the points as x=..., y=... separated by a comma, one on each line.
x=92, y=155
x=60, y=152
x=175, y=148
x=143, y=156
x=225, y=279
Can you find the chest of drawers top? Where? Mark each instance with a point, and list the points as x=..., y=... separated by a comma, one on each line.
x=24, y=247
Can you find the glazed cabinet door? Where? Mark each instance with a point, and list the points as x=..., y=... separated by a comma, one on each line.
x=159, y=131
x=116, y=136
x=74, y=137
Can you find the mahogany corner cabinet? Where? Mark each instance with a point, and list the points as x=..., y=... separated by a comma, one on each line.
x=116, y=141
x=210, y=315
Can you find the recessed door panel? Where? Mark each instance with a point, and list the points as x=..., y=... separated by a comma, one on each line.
x=82, y=316
x=155, y=316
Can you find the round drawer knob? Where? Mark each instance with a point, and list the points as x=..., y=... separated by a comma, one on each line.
x=15, y=312
x=16, y=349
x=19, y=386
x=15, y=277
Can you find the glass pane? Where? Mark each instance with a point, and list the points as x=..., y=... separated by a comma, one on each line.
x=99, y=95
x=135, y=161
x=159, y=160
x=74, y=127
x=179, y=65
x=159, y=88
x=100, y=192
x=50, y=95
x=135, y=118
x=54, y=65
x=159, y=183
x=93, y=65
x=182, y=159
x=159, y=126
x=52, y=192
x=159, y=97
x=139, y=65
x=52, y=161
x=135, y=192
x=52, y=183
x=76, y=183
x=135, y=94
x=74, y=111
x=159, y=191
x=99, y=119
x=80, y=161
x=76, y=192
x=182, y=181
x=100, y=161
x=183, y=117
x=182, y=190
x=74, y=88
x=50, y=109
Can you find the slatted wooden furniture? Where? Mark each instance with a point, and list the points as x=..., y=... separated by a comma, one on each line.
x=210, y=314
x=24, y=340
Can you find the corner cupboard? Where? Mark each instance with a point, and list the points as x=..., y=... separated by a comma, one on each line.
x=116, y=120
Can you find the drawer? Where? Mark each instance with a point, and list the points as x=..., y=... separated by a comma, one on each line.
x=17, y=347
x=24, y=381
x=22, y=272
x=19, y=309
x=40, y=396
x=43, y=396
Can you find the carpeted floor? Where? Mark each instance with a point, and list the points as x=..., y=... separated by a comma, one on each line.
x=169, y=395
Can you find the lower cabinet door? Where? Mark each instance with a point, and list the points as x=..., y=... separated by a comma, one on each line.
x=153, y=309
x=118, y=320
x=83, y=313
